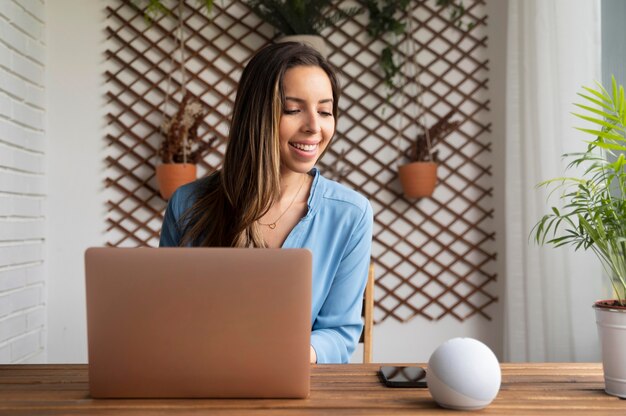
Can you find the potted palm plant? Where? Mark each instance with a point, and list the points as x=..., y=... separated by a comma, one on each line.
x=301, y=20
x=418, y=177
x=593, y=217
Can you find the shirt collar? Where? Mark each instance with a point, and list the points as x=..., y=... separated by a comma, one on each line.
x=316, y=194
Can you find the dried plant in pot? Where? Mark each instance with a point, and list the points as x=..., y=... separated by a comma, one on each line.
x=592, y=216
x=419, y=177
x=181, y=148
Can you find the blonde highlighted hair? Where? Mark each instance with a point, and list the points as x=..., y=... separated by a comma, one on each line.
x=229, y=202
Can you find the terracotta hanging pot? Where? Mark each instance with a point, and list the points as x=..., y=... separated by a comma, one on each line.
x=172, y=175
x=316, y=42
x=418, y=179
x=611, y=322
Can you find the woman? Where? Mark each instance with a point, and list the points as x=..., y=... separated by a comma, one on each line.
x=268, y=193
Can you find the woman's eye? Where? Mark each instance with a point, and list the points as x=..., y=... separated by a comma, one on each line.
x=326, y=114
x=291, y=111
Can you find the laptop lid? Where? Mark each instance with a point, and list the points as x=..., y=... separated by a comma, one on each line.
x=198, y=322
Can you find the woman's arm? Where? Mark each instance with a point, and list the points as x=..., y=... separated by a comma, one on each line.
x=338, y=325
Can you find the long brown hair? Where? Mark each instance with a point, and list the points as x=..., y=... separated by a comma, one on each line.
x=230, y=201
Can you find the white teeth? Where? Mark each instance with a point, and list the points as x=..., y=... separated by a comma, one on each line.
x=304, y=147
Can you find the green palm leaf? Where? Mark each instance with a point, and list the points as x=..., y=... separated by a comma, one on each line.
x=591, y=214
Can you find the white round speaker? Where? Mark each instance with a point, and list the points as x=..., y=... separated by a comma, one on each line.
x=463, y=374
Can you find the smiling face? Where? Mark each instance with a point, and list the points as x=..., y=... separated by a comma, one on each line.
x=307, y=123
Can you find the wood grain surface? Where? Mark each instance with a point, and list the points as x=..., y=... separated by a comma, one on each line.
x=353, y=389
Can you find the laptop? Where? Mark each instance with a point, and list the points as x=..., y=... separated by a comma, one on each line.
x=198, y=322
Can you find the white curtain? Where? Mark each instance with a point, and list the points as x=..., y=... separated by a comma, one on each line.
x=553, y=49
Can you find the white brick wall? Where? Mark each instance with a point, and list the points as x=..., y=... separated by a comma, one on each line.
x=22, y=182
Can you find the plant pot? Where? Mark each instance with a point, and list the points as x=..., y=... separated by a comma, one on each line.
x=316, y=42
x=611, y=322
x=172, y=175
x=418, y=179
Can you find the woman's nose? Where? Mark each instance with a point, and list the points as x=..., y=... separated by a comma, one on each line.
x=312, y=123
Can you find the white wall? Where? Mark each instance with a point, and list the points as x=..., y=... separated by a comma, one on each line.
x=22, y=182
x=76, y=205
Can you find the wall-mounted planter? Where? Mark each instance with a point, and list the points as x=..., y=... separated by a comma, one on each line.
x=418, y=179
x=172, y=175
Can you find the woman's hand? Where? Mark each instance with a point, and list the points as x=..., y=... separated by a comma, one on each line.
x=313, y=355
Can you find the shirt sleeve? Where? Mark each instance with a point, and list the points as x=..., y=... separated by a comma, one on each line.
x=170, y=234
x=338, y=326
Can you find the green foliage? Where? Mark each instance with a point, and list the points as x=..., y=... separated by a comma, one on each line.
x=383, y=17
x=385, y=22
x=593, y=216
x=456, y=10
x=300, y=17
x=154, y=8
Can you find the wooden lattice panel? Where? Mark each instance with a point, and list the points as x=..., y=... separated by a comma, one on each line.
x=434, y=257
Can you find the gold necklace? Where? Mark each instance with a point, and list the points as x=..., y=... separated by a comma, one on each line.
x=272, y=225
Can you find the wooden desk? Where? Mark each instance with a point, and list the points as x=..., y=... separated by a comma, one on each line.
x=529, y=389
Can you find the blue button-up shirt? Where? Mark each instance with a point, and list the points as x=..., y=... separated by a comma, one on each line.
x=338, y=230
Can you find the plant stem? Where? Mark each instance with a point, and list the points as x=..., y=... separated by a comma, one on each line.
x=181, y=49
x=420, y=89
